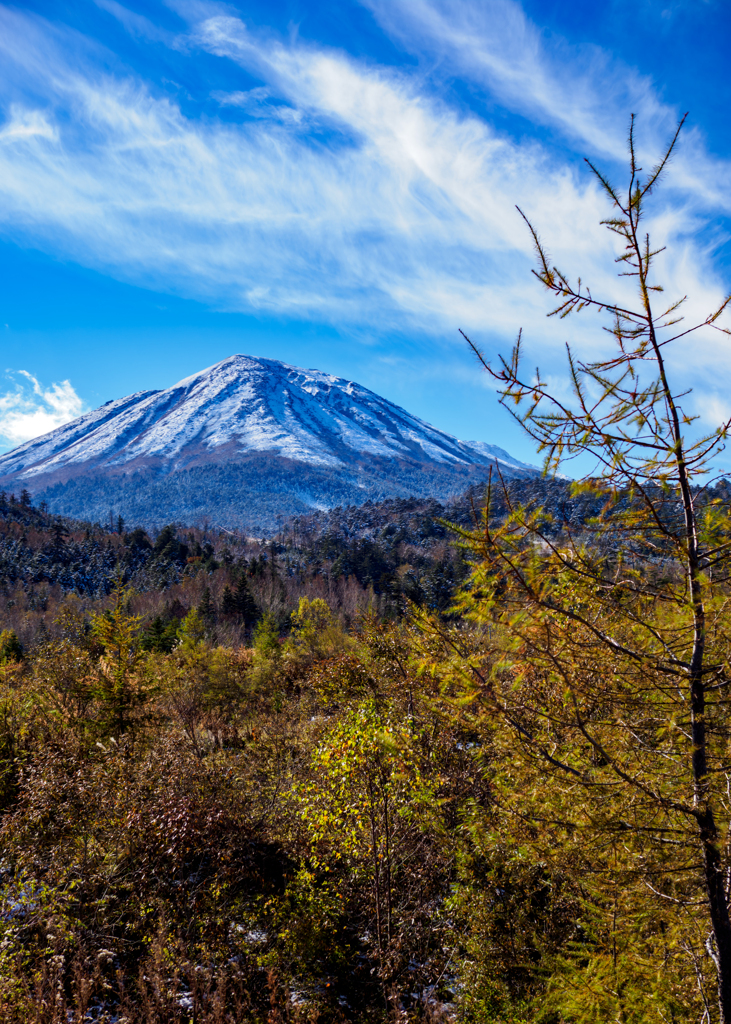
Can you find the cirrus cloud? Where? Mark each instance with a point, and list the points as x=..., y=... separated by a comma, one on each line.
x=340, y=190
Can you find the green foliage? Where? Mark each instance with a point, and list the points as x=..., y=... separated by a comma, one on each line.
x=206, y=608
x=605, y=683
x=244, y=603
x=118, y=685
x=168, y=547
x=228, y=606
x=160, y=635
x=375, y=841
x=192, y=631
x=16, y=715
x=11, y=648
x=266, y=637
x=199, y=688
x=364, y=805
x=364, y=774
x=138, y=540
x=314, y=630
x=308, y=920
x=240, y=602
x=183, y=843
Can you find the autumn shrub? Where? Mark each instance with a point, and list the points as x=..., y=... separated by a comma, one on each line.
x=339, y=839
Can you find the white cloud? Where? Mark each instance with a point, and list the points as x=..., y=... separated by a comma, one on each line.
x=583, y=91
x=398, y=213
x=579, y=89
x=256, y=104
x=26, y=124
x=31, y=409
x=136, y=24
x=406, y=194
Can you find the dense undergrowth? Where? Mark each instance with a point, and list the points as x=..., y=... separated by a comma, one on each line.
x=275, y=788
x=275, y=833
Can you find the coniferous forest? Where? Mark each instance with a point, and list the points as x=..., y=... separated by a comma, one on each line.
x=405, y=762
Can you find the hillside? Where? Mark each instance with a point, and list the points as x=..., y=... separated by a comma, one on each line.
x=243, y=445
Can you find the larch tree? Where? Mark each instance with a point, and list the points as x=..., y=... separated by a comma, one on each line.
x=613, y=696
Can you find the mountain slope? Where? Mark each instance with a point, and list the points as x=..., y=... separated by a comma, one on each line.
x=244, y=443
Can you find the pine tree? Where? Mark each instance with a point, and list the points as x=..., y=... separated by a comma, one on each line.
x=118, y=687
x=60, y=532
x=11, y=648
x=160, y=635
x=206, y=608
x=244, y=602
x=228, y=601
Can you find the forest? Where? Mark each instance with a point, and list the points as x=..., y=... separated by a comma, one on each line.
x=263, y=782
x=257, y=493
x=407, y=762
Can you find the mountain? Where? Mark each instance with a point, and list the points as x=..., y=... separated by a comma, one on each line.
x=244, y=444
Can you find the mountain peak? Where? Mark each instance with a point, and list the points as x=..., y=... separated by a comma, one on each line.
x=247, y=408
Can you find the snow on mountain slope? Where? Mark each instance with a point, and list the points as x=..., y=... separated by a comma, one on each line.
x=238, y=407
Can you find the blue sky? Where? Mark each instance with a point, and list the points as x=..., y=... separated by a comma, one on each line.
x=333, y=184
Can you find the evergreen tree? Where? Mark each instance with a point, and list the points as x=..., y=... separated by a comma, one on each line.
x=60, y=532
x=11, y=648
x=160, y=635
x=192, y=630
x=138, y=539
x=244, y=602
x=118, y=686
x=206, y=608
x=168, y=548
x=266, y=637
x=228, y=601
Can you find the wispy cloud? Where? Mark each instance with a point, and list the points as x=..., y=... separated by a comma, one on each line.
x=257, y=103
x=136, y=24
x=26, y=124
x=31, y=408
x=580, y=90
x=345, y=192
x=403, y=200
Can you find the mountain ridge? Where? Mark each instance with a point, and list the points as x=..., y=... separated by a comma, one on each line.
x=317, y=438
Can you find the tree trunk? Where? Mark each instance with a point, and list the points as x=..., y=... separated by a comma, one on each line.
x=719, y=913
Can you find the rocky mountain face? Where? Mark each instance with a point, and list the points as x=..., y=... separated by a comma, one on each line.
x=245, y=443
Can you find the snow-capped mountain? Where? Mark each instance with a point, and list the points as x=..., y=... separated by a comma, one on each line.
x=245, y=412
x=245, y=405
